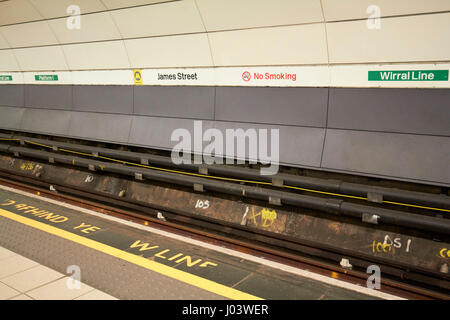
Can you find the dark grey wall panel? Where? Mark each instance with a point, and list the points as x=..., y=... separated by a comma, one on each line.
x=46, y=121
x=421, y=111
x=98, y=126
x=405, y=156
x=12, y=95
x=185, y=102
x=362, y=148
x=156, y=132
x=301, y=146
x=48, y=96
x=288, y=106
x=11, y=117
x=107, y=99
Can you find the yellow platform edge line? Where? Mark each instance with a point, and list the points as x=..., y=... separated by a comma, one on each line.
x=182, y=276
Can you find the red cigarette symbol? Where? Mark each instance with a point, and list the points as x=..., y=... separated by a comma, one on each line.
x=246, y=76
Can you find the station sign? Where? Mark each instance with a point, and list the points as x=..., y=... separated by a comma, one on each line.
x=5, y=78
x=409, y=75
x=46, y=77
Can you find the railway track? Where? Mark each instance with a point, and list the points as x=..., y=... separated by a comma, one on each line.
x=219, y=236
x=333, y=208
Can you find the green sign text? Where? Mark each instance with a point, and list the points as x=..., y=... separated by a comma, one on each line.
x=46, y=77
x=410, y=75
x=5, y=78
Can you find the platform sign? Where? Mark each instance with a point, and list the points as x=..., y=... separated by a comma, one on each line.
x=46, y=77
x=137, y=75
x=409, y=75
x=5, y=78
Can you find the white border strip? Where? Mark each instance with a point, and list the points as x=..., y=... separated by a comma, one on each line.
x=270, y=76
x=276, y=265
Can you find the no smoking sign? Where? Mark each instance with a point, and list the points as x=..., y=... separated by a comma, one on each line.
x=246, y=76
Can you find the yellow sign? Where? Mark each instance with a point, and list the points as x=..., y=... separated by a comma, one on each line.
x=137, y=75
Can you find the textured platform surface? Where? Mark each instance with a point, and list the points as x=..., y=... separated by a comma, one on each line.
x=130, y=263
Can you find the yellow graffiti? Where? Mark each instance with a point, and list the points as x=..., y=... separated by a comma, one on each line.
x=268, y=217
x=27, y=166
x=381, y=247
x=444, y=253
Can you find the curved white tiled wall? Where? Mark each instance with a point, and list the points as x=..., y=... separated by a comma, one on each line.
x=220, y=15
x=335, y=10
x=402, y=39
x=304, y=44
x=96, y=55
x=55, y=9
x=159, y=20
x=173, y=51
x=41, y=58
x=31, y=34
x=3, y=43
x=116, y=4
x=206, y=33
x=8, y=61
x=94, y=27
x=18, y=11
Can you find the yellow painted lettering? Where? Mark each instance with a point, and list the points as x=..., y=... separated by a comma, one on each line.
x=175, y=256
x=189, y=262
x=82, y=225
x=208, y=263
x=90, y=229
x=59, y=219
x=160, y=254
x=49, y=215
x=8, y=202
x=35, y=211
x=22, y=206
x=143, y=246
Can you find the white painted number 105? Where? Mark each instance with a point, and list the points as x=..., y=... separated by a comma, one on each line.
x=202, y=204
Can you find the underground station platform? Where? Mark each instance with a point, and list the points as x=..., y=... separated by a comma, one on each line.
x=130, y=261
x=225, y=158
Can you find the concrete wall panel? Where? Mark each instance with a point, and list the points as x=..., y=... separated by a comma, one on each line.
x=99, y=126
x=107, y=99
x=46, y=121
x=48, y=97
x=402, y=156
x=12, y=95
x=177, y=102
x=420, y=111
x=10, y=117
x=288, y=106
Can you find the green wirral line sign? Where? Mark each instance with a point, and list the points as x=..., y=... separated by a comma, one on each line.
x=409, y=75
x=5, y=78
x=48, y=77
